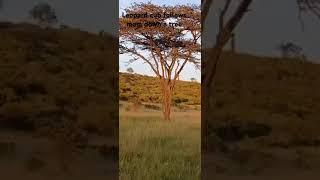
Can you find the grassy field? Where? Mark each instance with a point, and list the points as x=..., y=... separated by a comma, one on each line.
x=151, y=148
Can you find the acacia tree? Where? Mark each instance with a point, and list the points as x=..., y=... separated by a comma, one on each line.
x=229, y=19
x=130, y=70
x=44, y=14
x=193, y=79
x=164, y=42
x=289, y=49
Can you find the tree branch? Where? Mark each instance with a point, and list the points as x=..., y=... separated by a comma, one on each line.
x=134, y=52
x=206, y=4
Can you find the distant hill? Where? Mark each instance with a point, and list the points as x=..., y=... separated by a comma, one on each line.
x=264, y=109
x=58, y=89
x=264, y=89
x=136, y=87
x=51, y=75
x=247, y=85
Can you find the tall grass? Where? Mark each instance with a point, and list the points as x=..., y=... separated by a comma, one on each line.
x=151, y=148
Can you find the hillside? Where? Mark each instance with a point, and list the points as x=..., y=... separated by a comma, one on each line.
x=58, y=92
x=135, y=87
x=265, y=117
x=47, y=71
x=247, y=86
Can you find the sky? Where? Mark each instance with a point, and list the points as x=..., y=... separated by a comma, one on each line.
x=89, y=15
x=267, y=24
x=188, y=72
x=125, y=3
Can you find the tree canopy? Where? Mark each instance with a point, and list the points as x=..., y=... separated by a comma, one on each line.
x=44, y=14
x=161, y=45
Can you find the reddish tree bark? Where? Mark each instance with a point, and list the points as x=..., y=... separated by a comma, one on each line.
x=167, y=90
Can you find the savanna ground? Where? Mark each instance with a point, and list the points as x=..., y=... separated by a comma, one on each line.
x=151, y=148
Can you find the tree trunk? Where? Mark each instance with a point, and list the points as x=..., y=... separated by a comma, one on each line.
x=209, y=70
x=205, y=118
x=233, y=43
x=167, y=98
